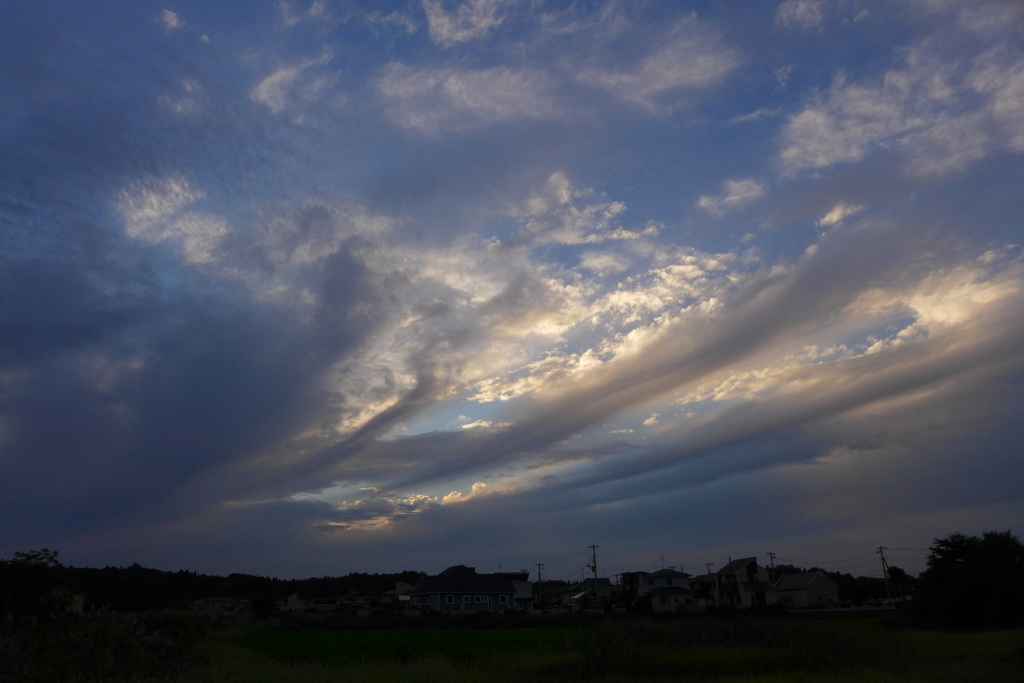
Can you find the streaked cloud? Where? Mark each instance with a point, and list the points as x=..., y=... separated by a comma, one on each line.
x=292, y=86
x=434, y=100
x=736, y=194
x=838, y=213
x=468, y=20
x=802, y=14
x=687, y=58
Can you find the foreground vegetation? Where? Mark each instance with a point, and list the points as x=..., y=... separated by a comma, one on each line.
x=183, y=648
x=739, y=648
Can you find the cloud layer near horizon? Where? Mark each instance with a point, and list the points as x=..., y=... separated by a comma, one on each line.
x=340, y=289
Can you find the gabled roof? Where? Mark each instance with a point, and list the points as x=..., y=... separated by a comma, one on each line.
x=670, y=573
x=704, y=578
x=792, y=582
x=736, y=565
x=463, y=579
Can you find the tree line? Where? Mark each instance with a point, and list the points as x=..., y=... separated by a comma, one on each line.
x=969, y=581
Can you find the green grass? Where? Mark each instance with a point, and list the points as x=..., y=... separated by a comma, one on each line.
x=375, y=645
x=735, y=650
x=178, y=648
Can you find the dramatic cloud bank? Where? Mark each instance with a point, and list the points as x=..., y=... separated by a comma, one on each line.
x=324, y=288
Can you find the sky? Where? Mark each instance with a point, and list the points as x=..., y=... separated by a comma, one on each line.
x=302, y=288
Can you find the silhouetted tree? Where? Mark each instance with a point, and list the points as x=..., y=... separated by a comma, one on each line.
x=974, y=581
x=32, y=587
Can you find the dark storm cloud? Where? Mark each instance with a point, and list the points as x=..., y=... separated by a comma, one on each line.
x=117, y=418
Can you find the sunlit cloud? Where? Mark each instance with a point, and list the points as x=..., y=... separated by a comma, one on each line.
x=838, y=213
x=736, y=195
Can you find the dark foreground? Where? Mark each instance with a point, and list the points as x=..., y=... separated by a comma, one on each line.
x=186, y=648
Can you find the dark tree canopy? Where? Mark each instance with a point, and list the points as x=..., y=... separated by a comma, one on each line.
x=974, y=580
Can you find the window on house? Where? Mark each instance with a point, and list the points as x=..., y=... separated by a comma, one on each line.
x=663, y=601
x=503, y=599
x=649, y=582
x=476, y=598
x=465, y=598
x=668, y=581
x=450, y=599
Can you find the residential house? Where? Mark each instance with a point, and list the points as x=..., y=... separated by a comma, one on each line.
x=523, y=599
x=808, y=589
x=460, y=589
x=630, y=585
x=666, y=590
x=398, y=596
x=705, y=590
x=744, y=584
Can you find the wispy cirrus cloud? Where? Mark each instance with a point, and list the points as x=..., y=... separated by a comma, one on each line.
x=928, y=112
x=802, y=14
x=291, y=86
x=468, y=21
x=433, y=100
x=736, y=195
x=686, y=58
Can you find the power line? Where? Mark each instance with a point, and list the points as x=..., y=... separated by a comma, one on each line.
x=807, y=563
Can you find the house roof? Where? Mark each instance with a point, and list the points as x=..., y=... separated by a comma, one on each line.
x=704, y=578
x=736, y=565
x=792, y=582
x=463, y=579
x=669, y=590
x=670, y=573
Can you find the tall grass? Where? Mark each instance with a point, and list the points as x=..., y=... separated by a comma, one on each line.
x=105, y=647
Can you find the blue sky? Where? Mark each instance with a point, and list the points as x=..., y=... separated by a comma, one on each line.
x=307, y=288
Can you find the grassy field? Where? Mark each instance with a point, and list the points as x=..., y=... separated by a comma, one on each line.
x=736, y=650
x=186, y=648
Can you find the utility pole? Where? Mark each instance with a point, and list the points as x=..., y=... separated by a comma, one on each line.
x=593, y=562
x=771, y=556
x=885, y=571
x=662, y=561
x=709, y=565
x=540, y=585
